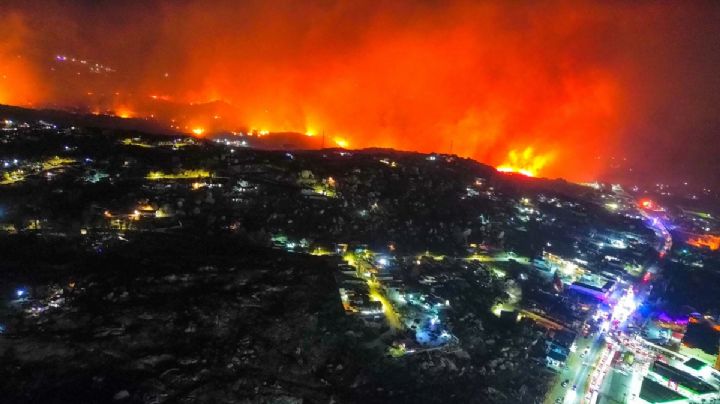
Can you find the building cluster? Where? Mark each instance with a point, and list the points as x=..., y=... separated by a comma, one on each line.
x=429, y=253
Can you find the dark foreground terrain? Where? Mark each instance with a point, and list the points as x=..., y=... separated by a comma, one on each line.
x=178, y=318
x=155, y=269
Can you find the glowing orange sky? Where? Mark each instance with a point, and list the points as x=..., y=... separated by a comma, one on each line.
x=19, y=82
x=462, y=80
x=478, y=79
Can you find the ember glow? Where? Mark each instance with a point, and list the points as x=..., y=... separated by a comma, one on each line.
x=541, y=89
x=123, y=113
x=342, y=142
x=705, y=241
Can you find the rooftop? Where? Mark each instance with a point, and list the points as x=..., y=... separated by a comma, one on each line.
x=654, y=392
x=682, y=378
x=695, y=364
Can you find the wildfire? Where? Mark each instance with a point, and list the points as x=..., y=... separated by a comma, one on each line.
x=526, y=162
x=649, y=204
x=707, y=240
x=341, y=142
x=124, y=113
x=448, y=78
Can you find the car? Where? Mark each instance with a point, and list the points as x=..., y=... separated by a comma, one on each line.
x=574, y=387
x=558, y=400
x=565, y=383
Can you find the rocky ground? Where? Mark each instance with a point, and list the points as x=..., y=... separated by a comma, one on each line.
x=208, y=320
x=163, y=328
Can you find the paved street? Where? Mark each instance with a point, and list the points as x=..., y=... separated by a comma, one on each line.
x=615, y=388
x=578, y=369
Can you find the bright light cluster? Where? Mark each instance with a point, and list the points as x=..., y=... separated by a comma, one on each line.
x=624, y=307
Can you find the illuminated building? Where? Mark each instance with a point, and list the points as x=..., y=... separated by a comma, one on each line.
x=653, y=392
x=599, y=292
x=681, y=382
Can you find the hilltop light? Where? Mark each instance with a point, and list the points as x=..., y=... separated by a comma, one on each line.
x=198, y=131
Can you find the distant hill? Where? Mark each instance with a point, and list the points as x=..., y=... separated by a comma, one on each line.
x=273, y=141
x=66, y=118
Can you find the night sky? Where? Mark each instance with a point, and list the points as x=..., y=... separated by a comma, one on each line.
x=559, y=87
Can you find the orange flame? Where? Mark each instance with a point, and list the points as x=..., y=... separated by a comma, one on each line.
x=646, y=203
x=124, y=113
x=341, y=142
x=706, y=240
x=526, y=162
x=449, y=77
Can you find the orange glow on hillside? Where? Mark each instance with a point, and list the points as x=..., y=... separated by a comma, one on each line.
x=706, y=240
x=478, y=79
x=526, y=162
x=124, y=113
x=342, y=142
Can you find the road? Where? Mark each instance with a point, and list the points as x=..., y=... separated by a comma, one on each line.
x=578, y=369
x=376, y=292
x=391, y=315
x=613, y=385
x=499, y=257
x=665, y=239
